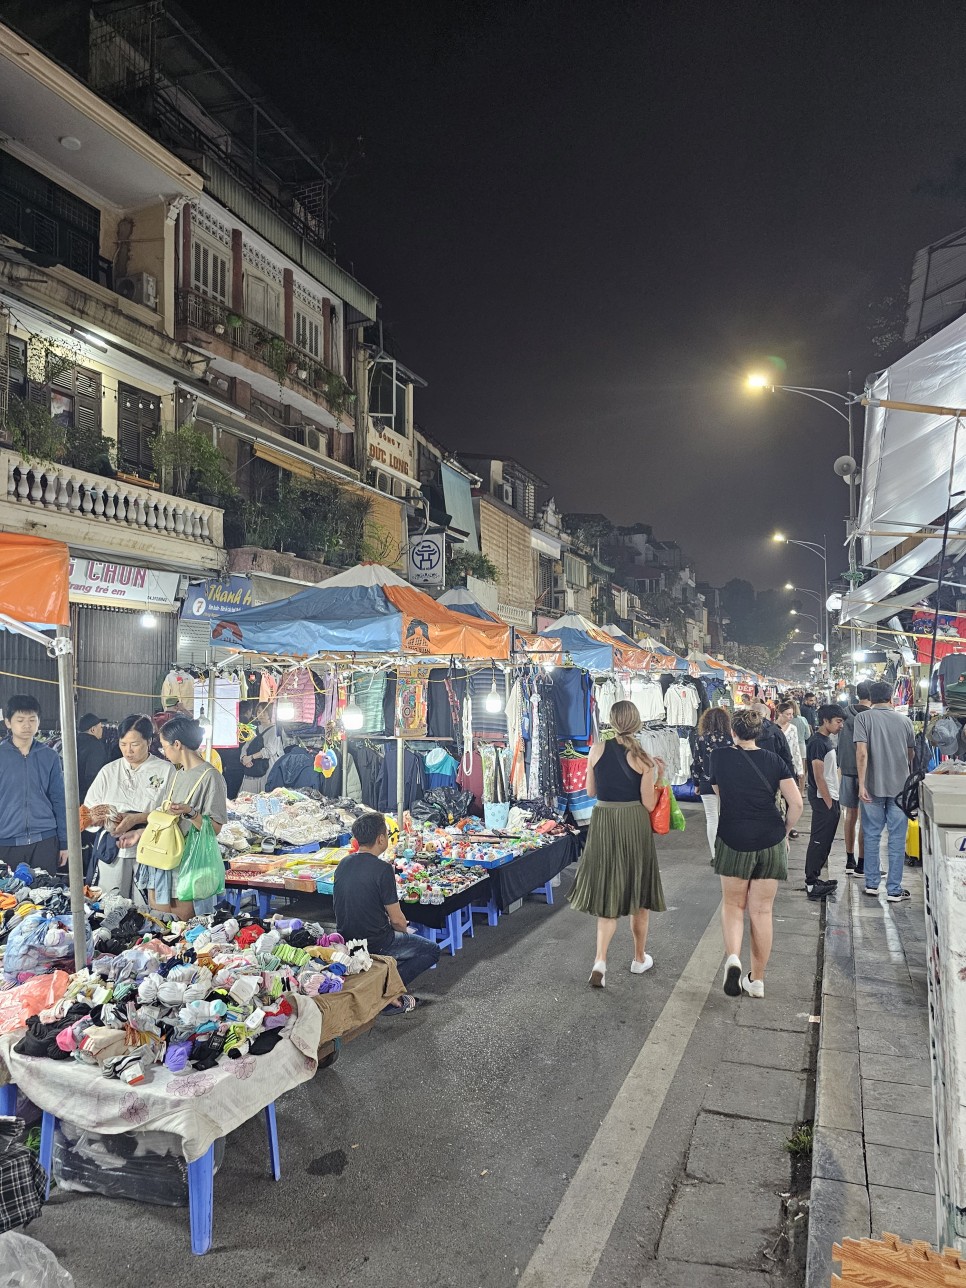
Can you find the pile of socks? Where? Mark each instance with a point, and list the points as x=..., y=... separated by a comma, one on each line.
x=189, y=994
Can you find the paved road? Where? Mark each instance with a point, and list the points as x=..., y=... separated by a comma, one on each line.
x=640, y=1128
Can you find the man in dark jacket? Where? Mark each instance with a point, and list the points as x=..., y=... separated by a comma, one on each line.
x=849, y=787
x=809, y=709
x=91, y=752
x=33, y=813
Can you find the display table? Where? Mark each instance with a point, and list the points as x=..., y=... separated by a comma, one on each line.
x=532, y=871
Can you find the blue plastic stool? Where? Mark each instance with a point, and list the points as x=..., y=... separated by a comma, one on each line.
x=8, y=1100
x=546, y=891
x=201, y=1176
x=488, y=910
x=445, y=938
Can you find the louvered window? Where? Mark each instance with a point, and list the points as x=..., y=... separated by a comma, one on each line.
x=73, y=397
x=138, y=424
x=47, y=219
x=308, y=334
x=209, y=271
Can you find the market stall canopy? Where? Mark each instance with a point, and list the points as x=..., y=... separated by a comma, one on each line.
x=459, y=600
x=367, y=609
x=708, y=665
x=905, y=474
x=650, y=645
x=34, y=580
x=581, y=640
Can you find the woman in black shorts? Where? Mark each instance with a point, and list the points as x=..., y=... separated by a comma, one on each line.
x=751, y=852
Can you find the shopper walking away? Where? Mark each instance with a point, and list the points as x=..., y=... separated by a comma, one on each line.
x=810, y=710
x=804, y=733
x=751, y=853
x=126, y=786
x=33, y=814
x=714, y=730
x=849, y=784
x=618, y=875
x=884, y=747
x=196, y=791
x=823, y=797
x=91, y=752
x=367, y=907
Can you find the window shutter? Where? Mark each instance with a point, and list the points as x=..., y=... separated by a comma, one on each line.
x=137, y=427
x=87, y=400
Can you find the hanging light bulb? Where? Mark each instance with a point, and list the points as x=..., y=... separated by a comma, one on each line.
x=493, y=702
x=285, y=711
x=352, y=715
x=148, y=620
x=549, y=664
x=205, y=724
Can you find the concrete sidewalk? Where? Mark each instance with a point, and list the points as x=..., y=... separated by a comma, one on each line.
x=872, y=1162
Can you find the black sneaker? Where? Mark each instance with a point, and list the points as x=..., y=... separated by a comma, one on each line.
x=820, y=890
x=850, y=863
x=858, y=870
x=901, y=897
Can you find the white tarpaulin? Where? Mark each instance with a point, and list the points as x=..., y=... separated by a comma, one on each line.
x=907, y=454
x=871, y=603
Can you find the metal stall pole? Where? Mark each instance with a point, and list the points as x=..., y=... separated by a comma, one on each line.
x=400, y=778
x=63, y=648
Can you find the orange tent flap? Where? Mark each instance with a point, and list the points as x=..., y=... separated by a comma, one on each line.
x=34, y=580
x=432, y=629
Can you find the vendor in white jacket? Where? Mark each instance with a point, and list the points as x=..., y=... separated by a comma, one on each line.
x=126, y=786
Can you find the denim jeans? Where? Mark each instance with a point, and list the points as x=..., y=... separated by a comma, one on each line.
x=884, y=814
x=413, y=955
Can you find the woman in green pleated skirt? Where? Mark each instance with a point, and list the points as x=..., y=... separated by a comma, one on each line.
x=618, y=874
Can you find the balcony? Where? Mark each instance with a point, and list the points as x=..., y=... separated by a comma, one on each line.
x=108, y=516
x=212, y=321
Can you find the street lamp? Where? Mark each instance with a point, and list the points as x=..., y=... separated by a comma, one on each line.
x=797, y=612
x=803, y=590
x=821, y=551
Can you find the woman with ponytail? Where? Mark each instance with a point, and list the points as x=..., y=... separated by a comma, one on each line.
x=618, y=874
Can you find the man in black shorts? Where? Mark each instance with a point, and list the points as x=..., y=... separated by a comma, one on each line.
x=821, y=769
x=849, y=784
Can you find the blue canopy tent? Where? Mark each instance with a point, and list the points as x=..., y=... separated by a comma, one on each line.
x=459, y=600
x=579, y=644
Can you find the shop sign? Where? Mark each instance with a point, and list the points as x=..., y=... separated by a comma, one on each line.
x=213, y=599
x=385, y=455
x=95, y=582
x=427, y=560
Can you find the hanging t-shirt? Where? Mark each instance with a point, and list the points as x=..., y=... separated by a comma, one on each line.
x=648, y=696
x=569, y=689
x=682, y=704
x=608, y=692
x=441, y=768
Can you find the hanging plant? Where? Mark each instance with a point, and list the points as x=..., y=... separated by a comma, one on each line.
x=49, y=359
x=234, y=321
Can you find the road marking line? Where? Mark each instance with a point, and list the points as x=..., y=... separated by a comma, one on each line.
x=573, y=1243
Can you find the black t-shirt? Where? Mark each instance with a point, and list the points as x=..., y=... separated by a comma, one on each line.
x=818, y=747
x=749, y=819
x=364, y=886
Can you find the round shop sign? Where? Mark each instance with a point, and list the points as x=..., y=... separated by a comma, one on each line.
x=426, y=556
x=200, y=607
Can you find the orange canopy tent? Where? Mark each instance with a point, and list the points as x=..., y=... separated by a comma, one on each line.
x=34, y=593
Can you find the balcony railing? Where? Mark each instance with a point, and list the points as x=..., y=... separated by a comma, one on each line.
x=46, y=486
x=286, y=360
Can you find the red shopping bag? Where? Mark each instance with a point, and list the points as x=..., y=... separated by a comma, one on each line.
x=661, y=813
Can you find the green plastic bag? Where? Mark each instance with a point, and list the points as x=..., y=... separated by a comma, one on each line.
x=677, y=815
x=202, y=871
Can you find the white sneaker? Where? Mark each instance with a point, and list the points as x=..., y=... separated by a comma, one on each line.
x=638, y=968
x=753, y=987
x=597, y=975
x=732, y=976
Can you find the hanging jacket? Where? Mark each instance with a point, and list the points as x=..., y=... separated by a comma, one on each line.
x=296, y=769
x=32, y=806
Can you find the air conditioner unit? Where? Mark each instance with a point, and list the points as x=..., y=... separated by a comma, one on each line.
x=142, y=288
x=559, y=581
x=507, y=493
x=316, y=442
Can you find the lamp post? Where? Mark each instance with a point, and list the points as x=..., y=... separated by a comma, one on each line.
x=822, y=552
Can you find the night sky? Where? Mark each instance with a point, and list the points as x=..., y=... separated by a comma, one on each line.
x=587, y=221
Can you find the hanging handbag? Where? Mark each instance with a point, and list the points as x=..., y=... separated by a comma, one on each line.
x=162, y=842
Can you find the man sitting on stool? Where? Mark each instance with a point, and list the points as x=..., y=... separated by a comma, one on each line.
x=367, y=907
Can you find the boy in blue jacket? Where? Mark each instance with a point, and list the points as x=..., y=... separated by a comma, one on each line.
x=33, y=815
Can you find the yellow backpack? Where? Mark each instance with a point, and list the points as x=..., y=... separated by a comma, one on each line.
x=162, y=841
